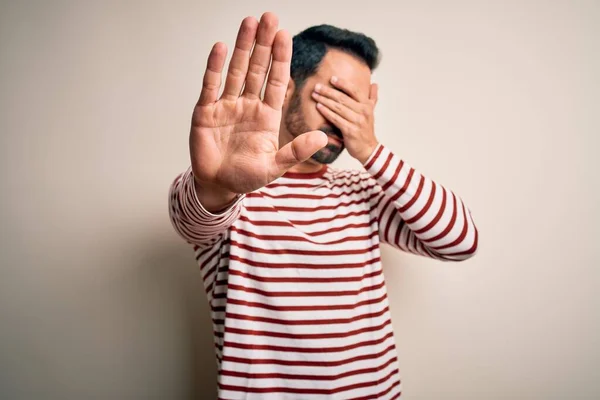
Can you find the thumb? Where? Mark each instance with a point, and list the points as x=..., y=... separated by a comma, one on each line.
x=298, y=150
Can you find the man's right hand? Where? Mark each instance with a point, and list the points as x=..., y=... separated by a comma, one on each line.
x=234, y=139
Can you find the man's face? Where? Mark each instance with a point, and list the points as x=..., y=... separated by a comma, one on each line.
x=301, y=113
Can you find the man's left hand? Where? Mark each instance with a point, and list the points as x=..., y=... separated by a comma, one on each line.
x=352, y=113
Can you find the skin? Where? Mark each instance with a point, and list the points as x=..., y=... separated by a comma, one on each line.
x=338, y=100
x=240, y=142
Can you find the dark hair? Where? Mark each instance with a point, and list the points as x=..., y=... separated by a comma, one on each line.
x=311, y=45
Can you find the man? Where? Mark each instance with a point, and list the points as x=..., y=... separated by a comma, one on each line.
x=288, y=247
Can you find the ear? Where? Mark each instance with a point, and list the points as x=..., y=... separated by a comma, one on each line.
x=290, y=89
x=374, y=93
x=288, y=93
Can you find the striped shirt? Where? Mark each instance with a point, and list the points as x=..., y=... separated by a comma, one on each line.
x=294, y=280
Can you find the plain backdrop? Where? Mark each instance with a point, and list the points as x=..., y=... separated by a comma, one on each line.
x=497, y=100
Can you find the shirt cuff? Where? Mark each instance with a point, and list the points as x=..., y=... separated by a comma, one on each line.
x=200, y=209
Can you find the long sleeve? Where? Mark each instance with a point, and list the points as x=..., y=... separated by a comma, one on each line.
x=416, y=214
x=191, y=220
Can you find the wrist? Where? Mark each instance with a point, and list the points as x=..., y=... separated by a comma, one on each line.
x=213, y=198
x=366, y=154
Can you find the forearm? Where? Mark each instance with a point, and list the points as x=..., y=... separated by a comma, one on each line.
x=418, y=214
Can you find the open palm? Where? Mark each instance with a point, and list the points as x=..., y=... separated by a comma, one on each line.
x=234, y=139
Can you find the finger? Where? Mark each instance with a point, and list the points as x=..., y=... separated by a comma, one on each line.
x=338, y=96
x=279, y=75
x=297, y=151
x=238, y=66
x=212, y=76
x=374, y=93
x=347, y=87
x=333, y=117
x=336, y=107
x=261, y=55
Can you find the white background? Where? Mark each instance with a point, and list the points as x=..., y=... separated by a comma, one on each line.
x=497, y=100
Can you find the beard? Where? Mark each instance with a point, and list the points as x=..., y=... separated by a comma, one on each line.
x=296, y=125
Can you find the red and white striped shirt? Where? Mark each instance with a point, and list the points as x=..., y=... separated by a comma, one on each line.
x=294, y=279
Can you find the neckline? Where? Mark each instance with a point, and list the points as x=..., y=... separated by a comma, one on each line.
x=306, y=175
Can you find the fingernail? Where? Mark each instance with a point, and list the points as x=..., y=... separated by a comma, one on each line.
x=318, y=87
x=334, y=79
